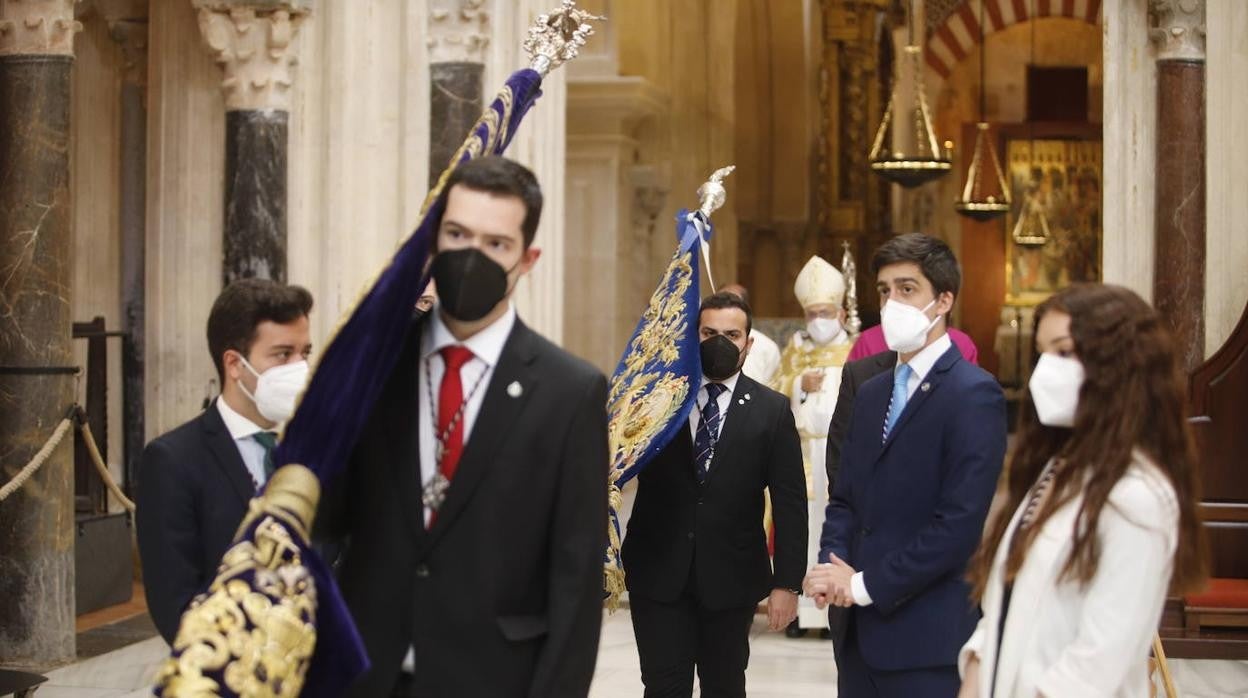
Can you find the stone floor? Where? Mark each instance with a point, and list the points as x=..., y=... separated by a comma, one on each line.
x=779, y=668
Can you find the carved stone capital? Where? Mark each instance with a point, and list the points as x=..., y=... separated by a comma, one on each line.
x=1179, y=29
x=132, y=36
x=37, y=27
x=254, y=43
x=458, y=31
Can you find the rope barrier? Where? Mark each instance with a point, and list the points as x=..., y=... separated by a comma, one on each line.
x=101, y=468
x=37, y=462
x=76, y=416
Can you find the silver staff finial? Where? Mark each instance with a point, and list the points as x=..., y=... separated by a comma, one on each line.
x=555, y=38
x=712, y=193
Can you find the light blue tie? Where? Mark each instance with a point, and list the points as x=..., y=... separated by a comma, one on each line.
x=901, y=380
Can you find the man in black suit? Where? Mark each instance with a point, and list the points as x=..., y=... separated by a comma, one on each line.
x=695, y=556
x=195, y=482
x=854, y=374
x=473, y=513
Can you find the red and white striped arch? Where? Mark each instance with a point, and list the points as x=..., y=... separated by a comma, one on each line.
x=957, y=36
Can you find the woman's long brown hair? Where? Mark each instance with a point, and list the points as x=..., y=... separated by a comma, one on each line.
x=1133, y=396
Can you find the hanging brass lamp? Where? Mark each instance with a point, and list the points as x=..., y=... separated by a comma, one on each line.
x=1032, y=227
x=976, y=202
x=927, y=162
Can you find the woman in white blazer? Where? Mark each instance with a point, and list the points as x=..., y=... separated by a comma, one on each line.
x=1103, y=490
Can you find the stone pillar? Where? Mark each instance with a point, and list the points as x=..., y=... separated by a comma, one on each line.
x=131, y=34
x=1226, y=170
x=1179, y=266
x=36, y=522
x=458, y=39
x=1130, y=107
x=613, y=203
x=253, y=41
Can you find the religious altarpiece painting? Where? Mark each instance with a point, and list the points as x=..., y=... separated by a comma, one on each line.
x=1053, y=231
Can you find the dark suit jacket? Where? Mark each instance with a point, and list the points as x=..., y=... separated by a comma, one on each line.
x=193, y=493
x=854, y=374
x=716, y=529
x=503, y=596
x=908, y=512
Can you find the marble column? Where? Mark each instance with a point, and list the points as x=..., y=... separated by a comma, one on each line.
x=458, y=38
x=131, y=34
x=253, y=41
x=1179, y=267
x=1130, y=121
x=36, y=522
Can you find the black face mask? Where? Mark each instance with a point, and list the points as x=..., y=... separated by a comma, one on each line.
x=470, y=284
x=720, y=357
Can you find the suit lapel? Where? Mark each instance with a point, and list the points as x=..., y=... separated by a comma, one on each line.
x=737, y=413
x=930, y=384
x=500, y=409
x=225, y=453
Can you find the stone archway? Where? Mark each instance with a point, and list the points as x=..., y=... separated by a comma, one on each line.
x=955, y=36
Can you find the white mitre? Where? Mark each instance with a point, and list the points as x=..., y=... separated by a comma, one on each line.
x=819, y=282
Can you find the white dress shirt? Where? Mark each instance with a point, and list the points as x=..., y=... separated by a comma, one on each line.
x=920, y=365
x=725, y=399
x=242, y=430
x=486, y=346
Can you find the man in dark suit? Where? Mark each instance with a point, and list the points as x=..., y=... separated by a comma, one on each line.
x=195, y=482
x=918, y=468
x=474, y=510
x=854, y=374
x=695, y=556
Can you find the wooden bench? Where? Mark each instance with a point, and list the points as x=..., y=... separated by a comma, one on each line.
x=1223, y=605
x=19, y=683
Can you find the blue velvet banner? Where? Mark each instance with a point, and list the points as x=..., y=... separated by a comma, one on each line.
x=656, y=382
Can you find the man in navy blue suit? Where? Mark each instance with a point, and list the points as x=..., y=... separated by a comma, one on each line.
x=919, y=467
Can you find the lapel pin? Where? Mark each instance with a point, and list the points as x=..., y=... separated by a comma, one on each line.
x=926, y=387
x=515, y=389
x=747, y=396
x=741, y=401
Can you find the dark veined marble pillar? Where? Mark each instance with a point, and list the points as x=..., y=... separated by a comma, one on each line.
x=36, y=376
x=455, y=102
x=254, y=41
x=458, y=39
x=1179, y=265
x=255, y=194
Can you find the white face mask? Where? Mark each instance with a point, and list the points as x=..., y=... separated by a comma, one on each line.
x=277, y=389
x=1054, y=388
x=823, y=329
x=905, y=326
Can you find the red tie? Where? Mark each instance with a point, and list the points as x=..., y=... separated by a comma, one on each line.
x=451, y=404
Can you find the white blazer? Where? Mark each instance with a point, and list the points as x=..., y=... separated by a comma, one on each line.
x=1067, y=641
